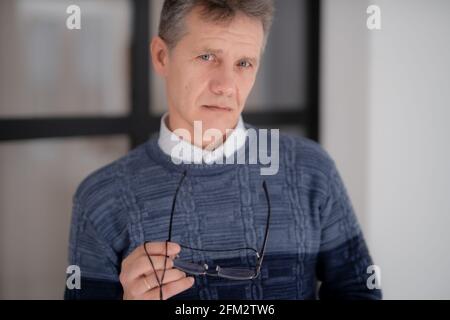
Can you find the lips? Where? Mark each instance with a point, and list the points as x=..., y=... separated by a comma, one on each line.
x=217, y=108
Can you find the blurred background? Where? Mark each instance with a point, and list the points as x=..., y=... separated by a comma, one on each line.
x=72, y=101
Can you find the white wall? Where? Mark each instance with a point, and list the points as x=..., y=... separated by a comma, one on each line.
x=385, y=112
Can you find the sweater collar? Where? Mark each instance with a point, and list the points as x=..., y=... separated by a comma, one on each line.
x=189, y=153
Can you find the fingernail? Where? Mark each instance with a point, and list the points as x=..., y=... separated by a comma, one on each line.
x=191, y=279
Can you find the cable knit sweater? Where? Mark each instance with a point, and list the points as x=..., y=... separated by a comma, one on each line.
x=315, y=248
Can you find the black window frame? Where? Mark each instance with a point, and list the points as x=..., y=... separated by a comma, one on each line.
x=140, y=123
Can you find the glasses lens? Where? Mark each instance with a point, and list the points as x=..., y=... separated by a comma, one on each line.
x=236, y=273
x=189, y=267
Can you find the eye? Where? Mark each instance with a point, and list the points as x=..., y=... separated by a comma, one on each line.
x=245, y=64
x=206, y=57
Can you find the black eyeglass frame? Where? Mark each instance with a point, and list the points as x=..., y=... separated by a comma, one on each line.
x=222, y=272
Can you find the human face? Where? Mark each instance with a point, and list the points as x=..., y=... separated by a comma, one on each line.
x=210, y=72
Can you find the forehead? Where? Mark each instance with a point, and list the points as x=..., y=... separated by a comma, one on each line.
x=241, y=33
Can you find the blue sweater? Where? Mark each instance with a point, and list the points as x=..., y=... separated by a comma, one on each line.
x=315, y=248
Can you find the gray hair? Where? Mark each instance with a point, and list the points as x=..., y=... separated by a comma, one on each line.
x=172, y=28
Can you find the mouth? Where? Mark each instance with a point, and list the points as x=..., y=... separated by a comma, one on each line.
x=215, y=108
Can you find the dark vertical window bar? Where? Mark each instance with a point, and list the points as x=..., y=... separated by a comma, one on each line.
x=140, y=75
x=313, y=76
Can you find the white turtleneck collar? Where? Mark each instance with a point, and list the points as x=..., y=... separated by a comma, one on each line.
x=189, y=153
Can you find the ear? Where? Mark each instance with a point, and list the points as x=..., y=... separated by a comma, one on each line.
x=160, y=56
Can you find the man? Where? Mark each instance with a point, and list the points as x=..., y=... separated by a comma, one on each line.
x=232, y=232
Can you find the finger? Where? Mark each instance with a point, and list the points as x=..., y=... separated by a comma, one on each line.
x=143, y=266
x=146, y=283
x=159, y=248
x=153, y=248
x=169, y=290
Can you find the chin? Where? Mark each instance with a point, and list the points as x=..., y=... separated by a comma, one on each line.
x=219, y=123
x=218, y=120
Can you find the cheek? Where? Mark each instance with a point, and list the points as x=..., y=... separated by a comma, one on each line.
x=190, y=91
x=251, y=81
x=182, y=85
x=196, y=85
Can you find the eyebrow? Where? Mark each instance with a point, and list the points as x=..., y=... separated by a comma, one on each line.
x=253, y=60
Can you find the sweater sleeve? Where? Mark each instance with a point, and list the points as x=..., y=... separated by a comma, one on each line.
x=91, y=252
x=343, y=259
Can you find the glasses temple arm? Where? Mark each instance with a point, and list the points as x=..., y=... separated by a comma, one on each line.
x=263, y=249
x=169, y=238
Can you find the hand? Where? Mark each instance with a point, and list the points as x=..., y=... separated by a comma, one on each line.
x=138, y=278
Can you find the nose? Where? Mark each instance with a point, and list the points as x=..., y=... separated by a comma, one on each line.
x=223, y=83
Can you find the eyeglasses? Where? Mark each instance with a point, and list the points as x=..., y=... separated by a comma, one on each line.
x=242, y=273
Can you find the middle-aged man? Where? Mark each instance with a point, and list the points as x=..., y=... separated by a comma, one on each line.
x=175, y=218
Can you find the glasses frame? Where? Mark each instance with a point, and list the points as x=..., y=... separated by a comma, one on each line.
x=219, y=272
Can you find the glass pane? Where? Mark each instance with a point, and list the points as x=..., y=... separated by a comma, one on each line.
x=49, y=70
x=282, y=78
x=281, y=82
x=38, y=181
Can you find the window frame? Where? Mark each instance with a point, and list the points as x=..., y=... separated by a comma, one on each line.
x=140, y=123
